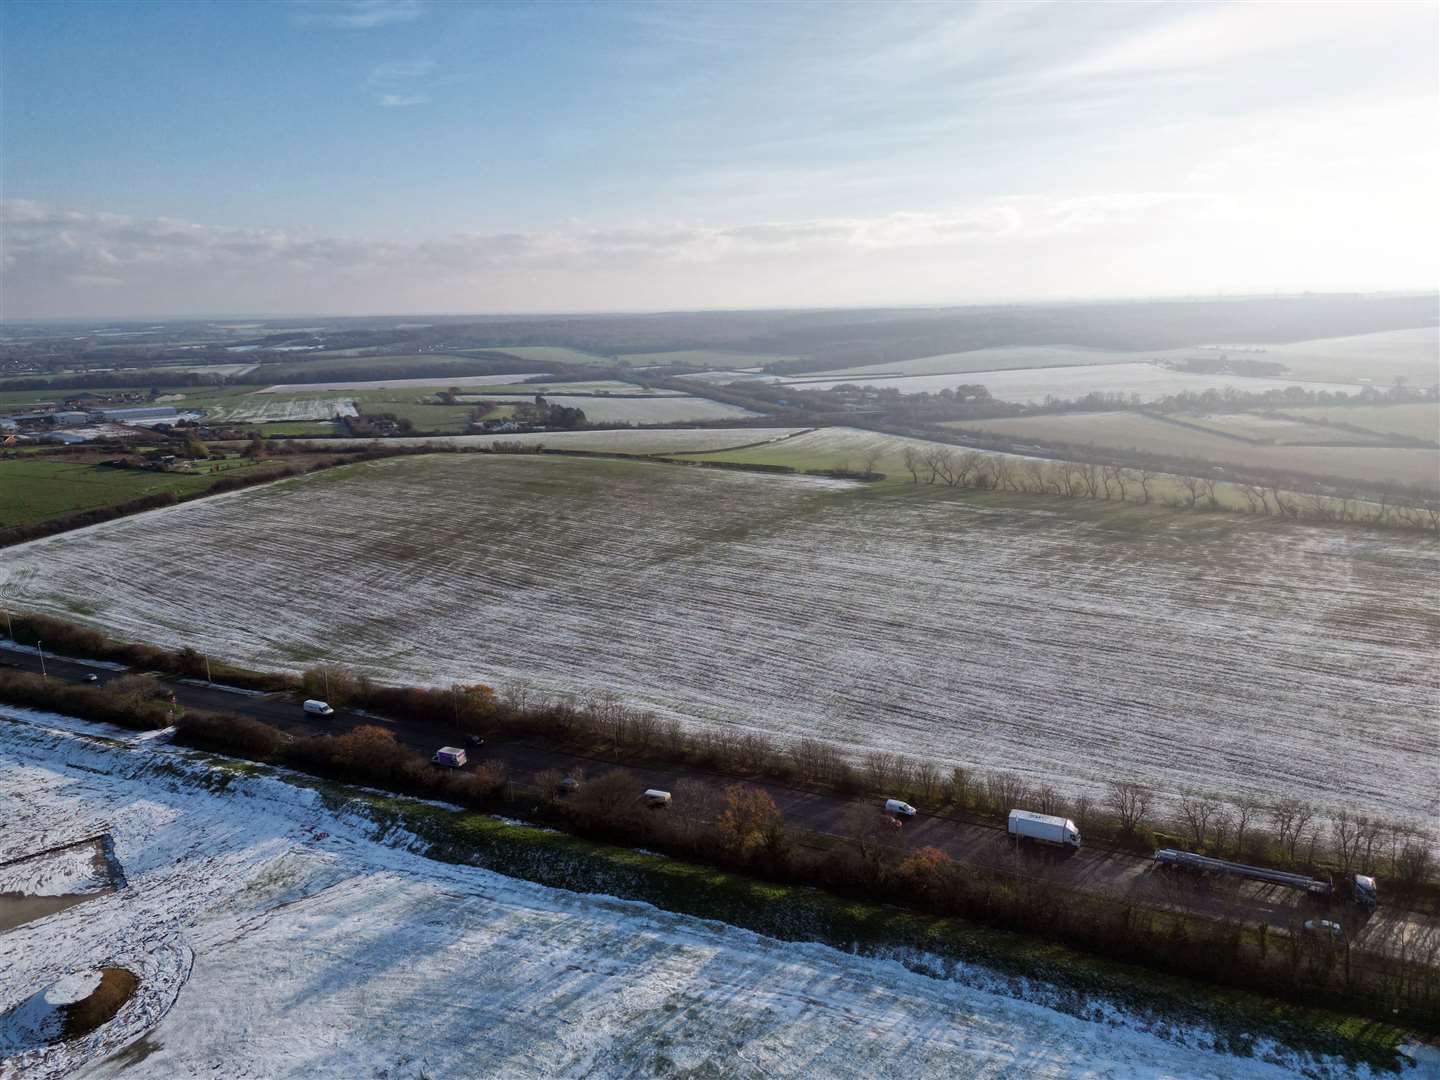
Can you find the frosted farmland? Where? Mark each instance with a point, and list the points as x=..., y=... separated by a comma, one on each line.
x=254, y=409
x=440, y=382
x=617, y=441
x=1249, y=655
x=277, y=938
x=1147, y=382
x=1007, y=357
x=658, y=410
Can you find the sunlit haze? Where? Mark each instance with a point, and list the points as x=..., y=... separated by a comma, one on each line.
x=394, y=155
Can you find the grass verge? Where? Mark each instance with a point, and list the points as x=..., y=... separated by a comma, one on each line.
x=1068, y=980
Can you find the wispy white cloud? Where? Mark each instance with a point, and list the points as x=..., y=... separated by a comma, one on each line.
x=356, y=14
x=43, y=241
x=398, y=80
x=399, y=71
x=57, y=261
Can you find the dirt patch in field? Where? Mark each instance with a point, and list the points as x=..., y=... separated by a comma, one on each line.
x=42, y=883
x=117, y=986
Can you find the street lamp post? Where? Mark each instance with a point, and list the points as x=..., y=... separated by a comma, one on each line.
x=40, y=648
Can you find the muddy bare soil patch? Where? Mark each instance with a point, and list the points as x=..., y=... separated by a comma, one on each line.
x=41, y=883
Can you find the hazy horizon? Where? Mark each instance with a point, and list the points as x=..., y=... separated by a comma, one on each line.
x=403, y=157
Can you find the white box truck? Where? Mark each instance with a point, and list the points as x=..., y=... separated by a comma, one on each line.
x=451, y=756
x=1046, y=828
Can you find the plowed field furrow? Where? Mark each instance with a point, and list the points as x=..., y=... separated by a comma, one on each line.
x=1242, y=655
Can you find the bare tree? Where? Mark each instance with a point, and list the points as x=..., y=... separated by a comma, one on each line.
x=925, y=777
x=1002, y=473
x=547, y=782
x=969, y=468
x=1032, y=476
x=694, y=806
x=1046, y=799
x=1413, y=864
x=1255, y=502
x=1121, y=478
x=1190, y=490
x=1003, y=790
x=610, y=798
x=913, y=463
x=1345, y=834
x=871, y=458
x=1220, y=824
x=880, y=769
x=1145, y=477
x=1247, y=809
x=876, y=837
x=945, y=465
x=1291, y=817
x=1196, y=810
x=1131, y=802
x=961, y=783
x=1207, y=493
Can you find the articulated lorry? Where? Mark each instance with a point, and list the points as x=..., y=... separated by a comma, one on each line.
x=1357, y=888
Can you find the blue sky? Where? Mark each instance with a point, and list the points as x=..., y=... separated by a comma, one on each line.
x=389, y=155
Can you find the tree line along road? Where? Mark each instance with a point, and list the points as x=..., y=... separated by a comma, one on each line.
x=1092, y=869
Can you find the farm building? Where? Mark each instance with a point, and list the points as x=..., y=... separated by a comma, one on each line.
x=143, y=412
x=47, y=419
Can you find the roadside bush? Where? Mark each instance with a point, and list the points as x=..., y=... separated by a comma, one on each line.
x=73, y=639
x=226, y=733
x=610, y=800
x=51, y=695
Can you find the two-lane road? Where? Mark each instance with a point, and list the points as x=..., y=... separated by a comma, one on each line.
x=1094, y=869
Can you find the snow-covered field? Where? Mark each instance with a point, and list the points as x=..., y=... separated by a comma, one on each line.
x=440, y=382
x=1008, y=357
x=1143, y=382
x=1251, y=656
x=620, y=441
x=1379, y=358
x=666, y=409
x=74, y=869
x=255, y=409
x=275, y=938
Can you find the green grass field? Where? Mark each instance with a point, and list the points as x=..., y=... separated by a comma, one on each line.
x=420, y=409
x=37, y=488
x=296, y=428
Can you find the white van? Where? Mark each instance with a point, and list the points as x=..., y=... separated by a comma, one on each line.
x=451, y=756
x=655, y=797
x=318, y=708
x=895, y=806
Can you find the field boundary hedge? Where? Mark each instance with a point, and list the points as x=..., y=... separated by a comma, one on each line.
x=875, y=870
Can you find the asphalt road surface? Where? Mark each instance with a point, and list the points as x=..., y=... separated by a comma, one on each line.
x=1092, y=869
